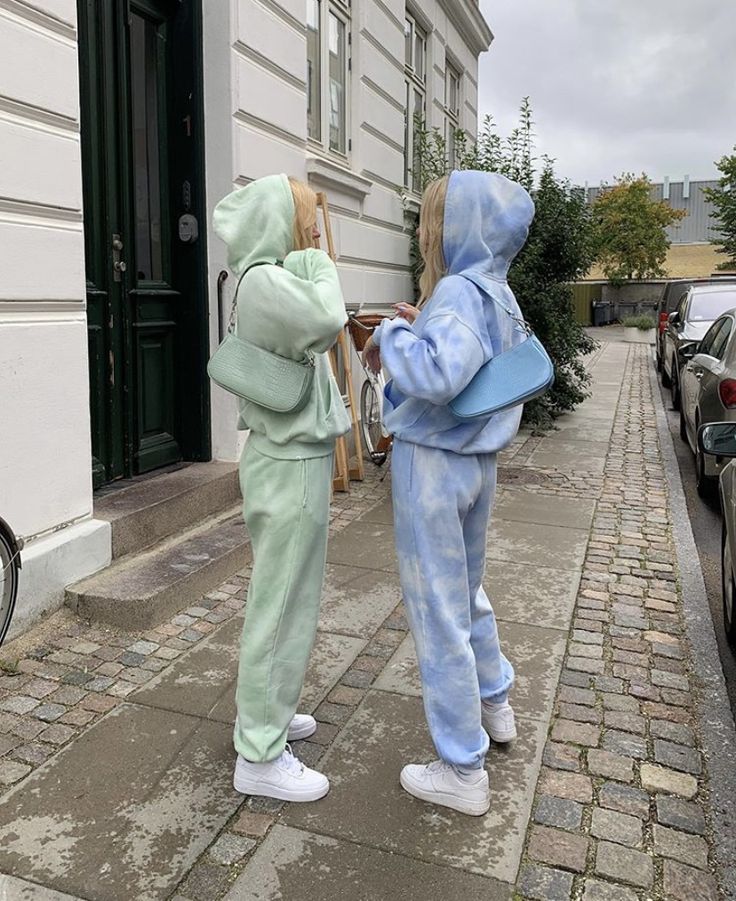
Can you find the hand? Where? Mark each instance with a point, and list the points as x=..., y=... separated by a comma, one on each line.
x=372, y=356
x=406, y=311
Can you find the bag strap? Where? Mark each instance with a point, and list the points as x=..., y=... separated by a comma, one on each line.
x=478, y=280
x=234, y=309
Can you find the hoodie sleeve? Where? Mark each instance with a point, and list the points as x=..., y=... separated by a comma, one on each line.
x=321, y=308
x=435, y=366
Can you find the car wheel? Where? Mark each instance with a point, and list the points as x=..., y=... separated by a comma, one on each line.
x=728, y=588
x=675, y=387
x=666, y=380
x=704, y=484
x=658, y=359
x=683, y=425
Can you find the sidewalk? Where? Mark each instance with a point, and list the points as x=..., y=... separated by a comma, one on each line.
x=116, y=748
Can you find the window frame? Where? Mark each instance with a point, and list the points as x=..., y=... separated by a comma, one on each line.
x=452, y=116
x=342, y=11
x=415, y=85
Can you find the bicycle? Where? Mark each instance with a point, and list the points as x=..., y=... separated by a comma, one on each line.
x=376, y=439
x=10, y=565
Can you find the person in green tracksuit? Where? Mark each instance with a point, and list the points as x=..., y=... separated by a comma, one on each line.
x=289, y=302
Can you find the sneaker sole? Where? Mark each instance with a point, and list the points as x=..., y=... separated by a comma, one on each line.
x=246, y=787
x=302, y=733
x=462, y=805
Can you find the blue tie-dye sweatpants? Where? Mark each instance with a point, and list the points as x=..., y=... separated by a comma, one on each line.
x=442, y=503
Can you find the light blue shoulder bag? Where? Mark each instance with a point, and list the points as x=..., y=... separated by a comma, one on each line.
x=513, y=377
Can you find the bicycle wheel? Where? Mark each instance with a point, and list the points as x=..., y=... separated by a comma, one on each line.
x=370, y=421
x=8, y=584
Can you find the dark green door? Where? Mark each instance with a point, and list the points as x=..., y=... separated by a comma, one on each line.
x=140, y=67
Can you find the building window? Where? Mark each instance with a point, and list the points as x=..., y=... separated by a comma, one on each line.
x=452, y=110
x=328, y=65
x=415, y=69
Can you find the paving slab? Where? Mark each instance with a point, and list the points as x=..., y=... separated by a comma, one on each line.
x=382, y=513
x=296, y=864
x=570, y=456
x=536, y=654
x=126, y=810
x=203, y=682
x=552, y=510
x=595, y=428
x=525, y=593
x=12, y=889
x=540, y=545
x=368, y=545
x=356, y=602
x=367, y=805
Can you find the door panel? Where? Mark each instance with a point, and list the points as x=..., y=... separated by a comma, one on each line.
x=143, y=169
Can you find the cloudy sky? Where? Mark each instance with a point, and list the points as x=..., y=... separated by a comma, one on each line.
x=617, y=85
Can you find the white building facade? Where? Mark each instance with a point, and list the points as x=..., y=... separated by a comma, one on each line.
x=122, y=123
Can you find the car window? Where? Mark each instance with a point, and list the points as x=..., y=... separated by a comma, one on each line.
x=681, y=305
x=719, y=345
x=711, y=337
x=673, y=296
x=706, y=306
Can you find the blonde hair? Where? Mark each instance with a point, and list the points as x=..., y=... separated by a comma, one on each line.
x=431, y=230
x=305, y=213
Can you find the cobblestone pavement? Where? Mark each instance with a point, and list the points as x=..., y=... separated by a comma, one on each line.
x=607, y=801
x=621, y=805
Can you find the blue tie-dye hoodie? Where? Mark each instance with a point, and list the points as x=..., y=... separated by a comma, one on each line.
x=486, y=223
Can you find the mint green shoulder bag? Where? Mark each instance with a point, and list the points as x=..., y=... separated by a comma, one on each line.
x=259, y=375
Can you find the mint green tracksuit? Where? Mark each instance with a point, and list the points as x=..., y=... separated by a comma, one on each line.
x=286, y=467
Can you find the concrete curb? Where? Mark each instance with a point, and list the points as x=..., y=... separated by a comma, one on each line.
x=715, y=720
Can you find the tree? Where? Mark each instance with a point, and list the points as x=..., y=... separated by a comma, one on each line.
x=560, y=248
x=723, y=199
x=630, y=230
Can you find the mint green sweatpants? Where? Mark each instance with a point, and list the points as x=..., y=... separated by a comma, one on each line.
x=286, y=509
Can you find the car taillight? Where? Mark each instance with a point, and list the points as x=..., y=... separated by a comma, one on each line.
x=663, y=317
x=727, y=390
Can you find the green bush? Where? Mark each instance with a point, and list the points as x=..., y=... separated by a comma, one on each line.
x=642, y=322
x=560, y=249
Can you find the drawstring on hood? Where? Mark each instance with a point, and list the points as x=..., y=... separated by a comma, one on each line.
x=256, y=222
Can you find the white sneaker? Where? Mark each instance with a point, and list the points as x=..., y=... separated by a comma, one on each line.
x=302, y=726
x=498, y=721
x=285, y=778
x=441, y=783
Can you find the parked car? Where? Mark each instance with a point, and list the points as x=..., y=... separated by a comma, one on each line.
x=708, y=393
x=673, y=293
x=719, y=440
x=697, y=310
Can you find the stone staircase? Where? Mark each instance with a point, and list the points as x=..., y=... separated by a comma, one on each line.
x=175, y=536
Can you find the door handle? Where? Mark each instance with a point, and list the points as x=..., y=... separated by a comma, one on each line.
x=118, y=266
x=221, y=279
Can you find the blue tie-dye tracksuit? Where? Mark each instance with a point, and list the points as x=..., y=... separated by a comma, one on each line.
x=444, y=469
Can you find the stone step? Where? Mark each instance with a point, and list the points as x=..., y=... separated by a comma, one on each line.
x=150, y=509
x=140, y=591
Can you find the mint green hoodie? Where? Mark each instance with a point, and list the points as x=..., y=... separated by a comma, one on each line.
x=288, y=310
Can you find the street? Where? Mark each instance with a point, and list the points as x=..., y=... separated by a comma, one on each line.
x=705, y=519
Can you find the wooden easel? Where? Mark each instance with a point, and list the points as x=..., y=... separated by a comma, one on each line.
x=345, y=468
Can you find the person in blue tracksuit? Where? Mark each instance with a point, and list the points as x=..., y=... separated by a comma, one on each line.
x=444, y=472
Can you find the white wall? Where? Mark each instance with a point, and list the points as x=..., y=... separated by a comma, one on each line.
x=45, y=454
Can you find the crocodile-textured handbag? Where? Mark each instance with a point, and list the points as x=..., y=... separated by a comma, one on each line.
x=259, y=375
x=511, y=378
